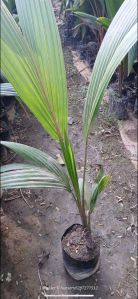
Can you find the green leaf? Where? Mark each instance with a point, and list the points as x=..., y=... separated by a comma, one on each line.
x=32, y=61
x=40, y=159
x=97, y=188
x=112, y=7
x=93, y=20
x=87, y=18
x=103, y=183
x=115, y=46
x=99, y=175
x=28, y=176
x=71, y=165
x=93, y=197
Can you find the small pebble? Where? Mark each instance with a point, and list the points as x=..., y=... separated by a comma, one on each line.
x=112, y=293
x=113, y=232
x=2, y=277
x=8, y=278
x=127, y=296
x=70, y=120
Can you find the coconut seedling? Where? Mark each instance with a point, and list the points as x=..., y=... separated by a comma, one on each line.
x=100, y=19
x=32, y=61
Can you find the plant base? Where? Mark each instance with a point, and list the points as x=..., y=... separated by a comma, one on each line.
x=118, y=107
x=81, y=252
x=82, y=274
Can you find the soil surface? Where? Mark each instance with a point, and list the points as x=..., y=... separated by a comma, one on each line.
x=33, y=222
x=80, y=244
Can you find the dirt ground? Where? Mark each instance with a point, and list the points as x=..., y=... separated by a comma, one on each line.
x=33, y=222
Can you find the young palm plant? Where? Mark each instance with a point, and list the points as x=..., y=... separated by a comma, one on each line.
x=32, y=61
x=10, y=4
x=100, y=19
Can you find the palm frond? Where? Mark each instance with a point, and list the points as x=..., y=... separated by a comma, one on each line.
x=119, y=39
x=112, y=7
x=32, y=61
x=39, y=159
x=97, y=188
x=28, y=176
x=93, y=20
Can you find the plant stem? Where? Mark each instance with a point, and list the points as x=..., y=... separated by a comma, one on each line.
x=101, y=35
x=83, y=187
x=93, y=8
x=120, y=78
x=89, y=221
x=96, y=9
x=79, y=208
